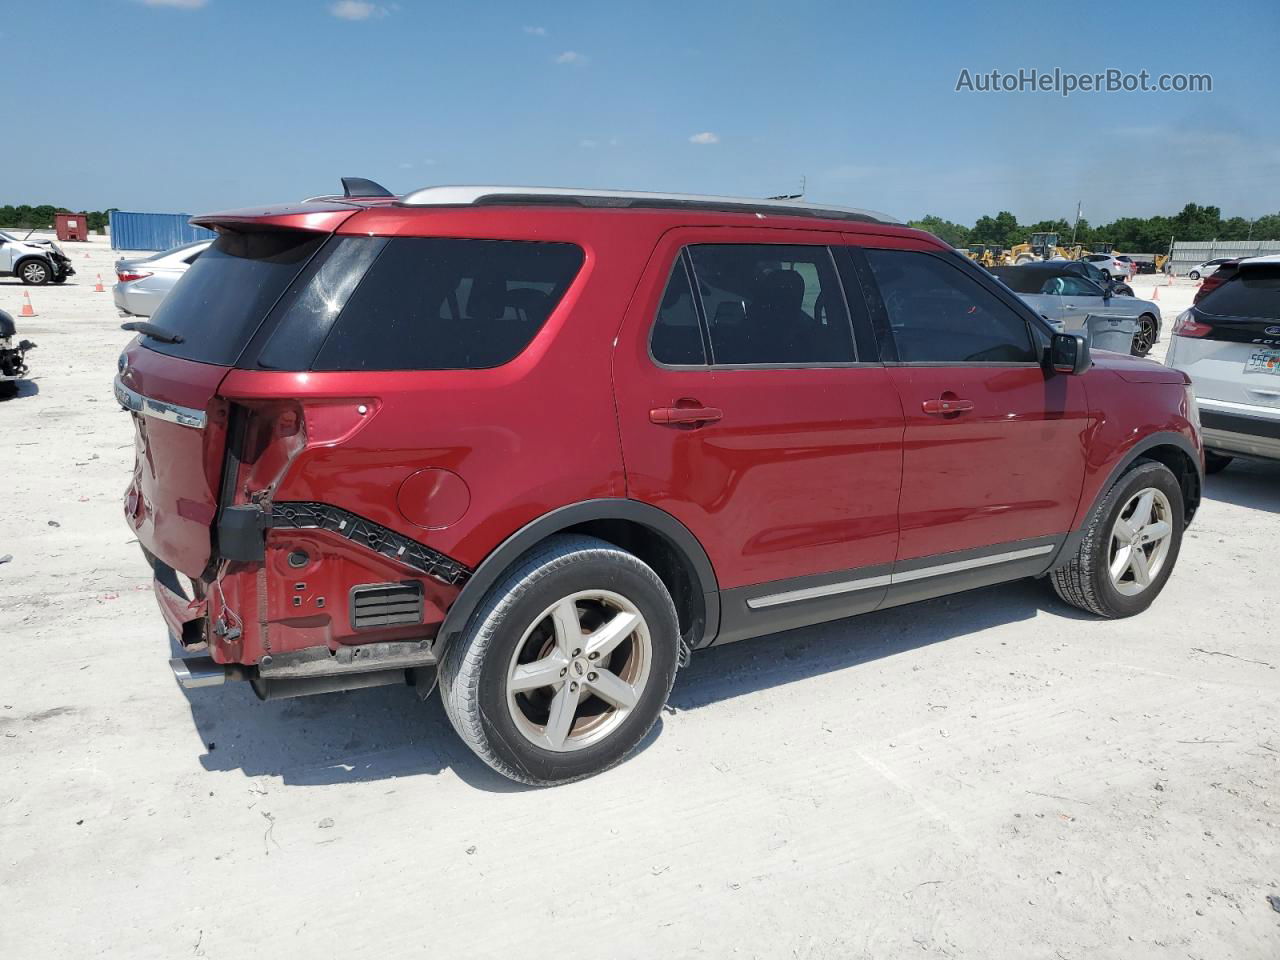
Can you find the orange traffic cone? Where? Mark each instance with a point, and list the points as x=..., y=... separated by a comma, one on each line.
x=1156, y=294
x=98, y=287
x=27, y=310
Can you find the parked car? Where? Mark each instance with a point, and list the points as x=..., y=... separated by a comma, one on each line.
x=1102, y=278
x=13, y=361
x=1229, y=343
x=1116, y=267
x=1207, y=268
x=143, y=282
x=548, y=442
x=1074, y=302
x=35, y=262
x=1221, y=274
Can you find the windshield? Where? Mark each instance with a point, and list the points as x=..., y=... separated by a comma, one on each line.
x=219, y=303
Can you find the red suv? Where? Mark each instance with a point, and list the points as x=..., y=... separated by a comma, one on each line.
x=544, y=443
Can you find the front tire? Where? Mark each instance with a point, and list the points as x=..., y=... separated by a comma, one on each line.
x=565, y=666
x=1130, y=545
x=35, y=273
x=1194, y=274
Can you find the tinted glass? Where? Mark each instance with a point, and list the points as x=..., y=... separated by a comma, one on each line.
x=1020, y=280
x=939, y=314
x=677, y=335
x=218, y=304
x=772, y=304
x=1068, y=286
x=1250, y=293
x=444, y=304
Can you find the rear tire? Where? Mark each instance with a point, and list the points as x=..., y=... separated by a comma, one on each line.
x=1130, y=545
x=8, y=389
x=1216, y=462
x=565, y=666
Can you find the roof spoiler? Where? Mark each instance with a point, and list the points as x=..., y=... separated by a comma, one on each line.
x=360, y=187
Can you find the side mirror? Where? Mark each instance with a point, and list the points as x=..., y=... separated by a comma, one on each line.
x=1069, y=353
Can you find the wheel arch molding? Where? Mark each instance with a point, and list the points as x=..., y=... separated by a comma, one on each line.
x=1172, y=449
x=654, y=535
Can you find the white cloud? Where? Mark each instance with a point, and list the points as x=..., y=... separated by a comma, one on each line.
x=705, y=137
x=571, y=56
x=182, y=4
x=536, y=31
x=356, y=10
x=588, y=143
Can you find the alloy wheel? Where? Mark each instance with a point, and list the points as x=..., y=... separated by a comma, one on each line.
x=35, y=272
x=579, y=670
x=1140, y=541
x=1145, y=337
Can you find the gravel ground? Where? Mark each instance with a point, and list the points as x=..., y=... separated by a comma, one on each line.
x=991, y=775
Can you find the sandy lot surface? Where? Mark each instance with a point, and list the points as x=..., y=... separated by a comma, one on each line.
x=991, y=776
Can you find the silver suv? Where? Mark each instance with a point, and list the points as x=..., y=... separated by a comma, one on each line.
x=1229, y=343
x=33, y=261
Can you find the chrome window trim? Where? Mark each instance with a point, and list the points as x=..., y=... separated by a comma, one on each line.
x=159, y=409
x=867, y=583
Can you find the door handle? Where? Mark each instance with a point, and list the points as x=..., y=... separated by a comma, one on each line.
x=678, y=415
x=943, y=407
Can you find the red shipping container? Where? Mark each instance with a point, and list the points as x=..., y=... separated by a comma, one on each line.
x=72, y=226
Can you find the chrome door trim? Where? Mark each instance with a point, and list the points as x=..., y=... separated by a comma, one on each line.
x=867, y=583
x=812, y=593
x=159, y=409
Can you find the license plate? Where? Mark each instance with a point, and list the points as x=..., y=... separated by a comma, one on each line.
x=1263, y=361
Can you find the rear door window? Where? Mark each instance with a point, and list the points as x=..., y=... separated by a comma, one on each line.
x=772, y=304
x=219, y=303
x=448, y=304
x=677, y=334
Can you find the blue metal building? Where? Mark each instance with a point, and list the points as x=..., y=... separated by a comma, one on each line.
x=153, y=231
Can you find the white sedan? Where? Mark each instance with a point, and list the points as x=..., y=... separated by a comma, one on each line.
x=141, y=284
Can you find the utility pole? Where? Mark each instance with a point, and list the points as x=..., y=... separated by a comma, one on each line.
x=1075, y=225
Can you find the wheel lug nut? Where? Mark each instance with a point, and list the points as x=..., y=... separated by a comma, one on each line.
x=563, y=671
x=591, y=676
x=593, y=655
x=573, y=685
x=577, y=653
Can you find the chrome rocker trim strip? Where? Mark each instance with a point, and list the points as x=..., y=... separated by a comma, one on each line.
x=867, y=583
x=159, y=409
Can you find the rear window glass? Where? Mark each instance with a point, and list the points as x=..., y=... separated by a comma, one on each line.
x=446, y=304
x=218, y=304
x=1250, y=293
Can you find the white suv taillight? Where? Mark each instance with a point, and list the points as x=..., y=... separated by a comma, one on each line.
x=1188, y=326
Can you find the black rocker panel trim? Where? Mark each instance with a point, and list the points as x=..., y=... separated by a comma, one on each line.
x=563, y=518
x=307, y=515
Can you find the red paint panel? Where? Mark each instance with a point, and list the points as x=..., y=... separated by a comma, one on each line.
x=172, y=498
x=801, y=473
x=1009, y=469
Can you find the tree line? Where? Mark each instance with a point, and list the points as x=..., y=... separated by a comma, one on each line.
x=26, y=217
x=1127, y=234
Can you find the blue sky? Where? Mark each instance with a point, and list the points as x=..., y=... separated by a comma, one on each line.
x=192, y=105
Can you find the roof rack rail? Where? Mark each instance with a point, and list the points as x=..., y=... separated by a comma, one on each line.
x=475, y=196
